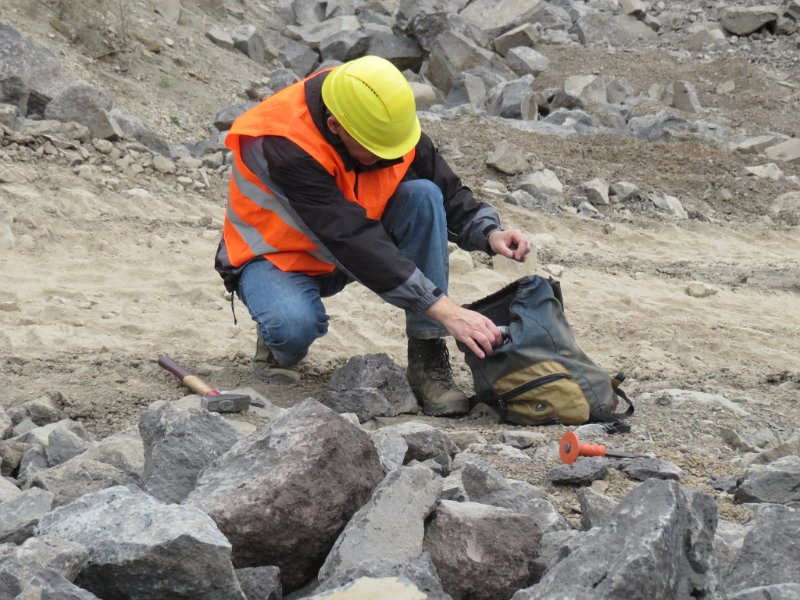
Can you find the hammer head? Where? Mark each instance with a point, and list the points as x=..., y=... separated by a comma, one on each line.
x=225, y=403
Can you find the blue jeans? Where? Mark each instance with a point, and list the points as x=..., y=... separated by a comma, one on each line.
x=287, y=307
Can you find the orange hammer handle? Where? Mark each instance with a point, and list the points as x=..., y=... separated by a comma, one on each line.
x=591, y=450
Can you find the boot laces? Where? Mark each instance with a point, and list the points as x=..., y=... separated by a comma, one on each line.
x=437, y=363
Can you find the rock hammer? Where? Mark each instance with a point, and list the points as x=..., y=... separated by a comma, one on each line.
x=210, y=399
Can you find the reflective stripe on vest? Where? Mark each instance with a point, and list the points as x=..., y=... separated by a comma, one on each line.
x=267, y=201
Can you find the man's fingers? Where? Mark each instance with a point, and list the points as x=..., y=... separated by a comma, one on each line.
x=476, y=350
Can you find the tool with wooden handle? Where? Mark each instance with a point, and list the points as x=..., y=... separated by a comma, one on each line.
x=571, y=448
x=211, y=399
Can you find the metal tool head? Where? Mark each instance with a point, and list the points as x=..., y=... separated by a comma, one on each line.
x=225, y=403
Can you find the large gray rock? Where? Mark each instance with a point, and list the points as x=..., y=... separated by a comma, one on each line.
x=391, y=524
x=30, y=75
x=19, y=516
x=83, y=103
x=179, y=443
x=420, y=570
x=78, y=476
x=400, y=50
x=657, y=544
x=46, y=583
x=452, y=54
x=425, y=442
x=42, y=411
x=769, y=551
x=744, y=20
x=134, y=128
x=777, y=482
x=140, y=548
x=249, y=42
x=8, y=491
x=596, y=508
x=513, y=100
x=481, y=552
x=344, y=45
x=123, y=450
x=41, y=435
x=11, y=453
x=40, y=557
x=63, y=444
x=582, y=472
x=470, y=90
x=371, y=385
x=553, y=547
x=282, y=495
x=788, y=151
x=525, y=36
x=55, y=553
x=428, y=27
x=314, y=33
x=508, y=158
x=391, y=447
x=483, y=483
x=260, y=583
x=645, y=468
x=498, y=16
x=595, y=27
x=299, y=57
x=526, y=61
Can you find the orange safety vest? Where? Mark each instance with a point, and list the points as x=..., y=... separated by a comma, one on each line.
x=256, y=222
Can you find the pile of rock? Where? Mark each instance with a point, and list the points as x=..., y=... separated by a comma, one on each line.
x=313, y=503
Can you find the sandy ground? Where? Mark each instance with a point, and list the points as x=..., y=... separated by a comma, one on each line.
x=99, y=283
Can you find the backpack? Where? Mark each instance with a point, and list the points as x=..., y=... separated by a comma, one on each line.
x=539, y=375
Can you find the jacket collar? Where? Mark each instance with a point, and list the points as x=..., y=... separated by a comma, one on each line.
x=319, y=113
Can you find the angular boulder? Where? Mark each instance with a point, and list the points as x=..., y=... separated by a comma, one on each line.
x=179, y=443
x=391, y=525
x=777, y=483
x=140, y=548
x=769, y=552
x=657, y=543
x=282, y=495
x=481, y=552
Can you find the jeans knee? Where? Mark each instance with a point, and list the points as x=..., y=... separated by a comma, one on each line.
x=424, y=198
x=292, y=336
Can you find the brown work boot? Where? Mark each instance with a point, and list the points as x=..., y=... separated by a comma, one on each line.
x=267, y=368
x=431, y=379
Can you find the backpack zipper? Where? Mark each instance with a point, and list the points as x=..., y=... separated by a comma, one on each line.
x=534, y=383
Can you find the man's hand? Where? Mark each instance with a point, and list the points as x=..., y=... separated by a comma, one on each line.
x=471, y=328
x=512, y=244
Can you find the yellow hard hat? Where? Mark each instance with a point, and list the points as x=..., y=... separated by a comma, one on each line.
x=375, y=104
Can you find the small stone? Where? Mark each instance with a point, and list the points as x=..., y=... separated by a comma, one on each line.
x=523, y=439
x=726, y=87
x=698, y=289
x=647, y=468
x=554, y=270
x=163, y=165
x=768, y=171
x=582, y=472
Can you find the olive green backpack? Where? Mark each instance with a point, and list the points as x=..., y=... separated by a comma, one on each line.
x=539, y=375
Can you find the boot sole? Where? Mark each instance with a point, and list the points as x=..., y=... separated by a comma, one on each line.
x=267, y=376
x=443, y=411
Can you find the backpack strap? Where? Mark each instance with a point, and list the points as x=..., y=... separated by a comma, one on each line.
x=615, y=423
x=490, y=398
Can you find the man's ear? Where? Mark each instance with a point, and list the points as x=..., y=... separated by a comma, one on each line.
x=333, y=125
